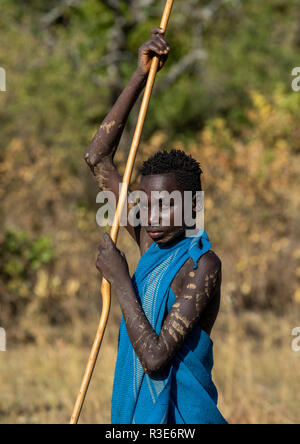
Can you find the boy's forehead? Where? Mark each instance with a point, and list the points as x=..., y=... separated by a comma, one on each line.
x=159, y=182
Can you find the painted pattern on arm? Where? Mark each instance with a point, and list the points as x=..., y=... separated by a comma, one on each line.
x=198, y=290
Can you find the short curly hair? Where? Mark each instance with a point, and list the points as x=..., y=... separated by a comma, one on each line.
x=188, y=171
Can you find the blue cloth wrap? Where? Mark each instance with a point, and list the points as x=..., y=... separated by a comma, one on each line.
x=183, y=393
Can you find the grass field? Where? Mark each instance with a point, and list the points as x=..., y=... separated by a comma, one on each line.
x=256, y=372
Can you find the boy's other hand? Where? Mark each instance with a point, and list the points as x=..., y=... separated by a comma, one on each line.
x=111, y=262
x=156, y=46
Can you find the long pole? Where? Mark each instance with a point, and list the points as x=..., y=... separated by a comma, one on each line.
x=105, y=287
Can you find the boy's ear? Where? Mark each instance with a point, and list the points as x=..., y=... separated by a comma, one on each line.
x=194, y=203
x=198, y=202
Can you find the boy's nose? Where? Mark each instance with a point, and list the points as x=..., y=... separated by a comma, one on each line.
x=154, y=215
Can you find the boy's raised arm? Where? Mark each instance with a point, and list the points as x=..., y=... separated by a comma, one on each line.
x=100, y=153
x=106, y=140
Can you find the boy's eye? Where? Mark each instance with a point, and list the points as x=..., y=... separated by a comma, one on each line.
x=167, y=206
x=142, y=206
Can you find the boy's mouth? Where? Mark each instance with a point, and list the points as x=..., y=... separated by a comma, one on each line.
x=154, y=234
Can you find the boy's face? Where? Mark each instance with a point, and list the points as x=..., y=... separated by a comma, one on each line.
x=162, y=215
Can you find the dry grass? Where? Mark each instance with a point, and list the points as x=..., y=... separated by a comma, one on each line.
x=255, y=372
x=39, y=383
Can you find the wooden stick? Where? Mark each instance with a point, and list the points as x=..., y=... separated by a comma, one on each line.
x=105, y=287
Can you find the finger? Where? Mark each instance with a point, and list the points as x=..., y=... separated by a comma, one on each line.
x=108, y=241
x=160, y=44
x=98, y=263
x=106, y=237
x=164, y=42
x=154, y=47
x=164, y=58
x=151, y=48
x=156, y=31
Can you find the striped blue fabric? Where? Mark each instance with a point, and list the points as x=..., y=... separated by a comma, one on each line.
x=183, y=393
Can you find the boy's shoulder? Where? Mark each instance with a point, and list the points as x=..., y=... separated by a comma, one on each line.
x=208, y=263
x=210, y=260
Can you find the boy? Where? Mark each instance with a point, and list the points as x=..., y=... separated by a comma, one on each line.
x=169, y=306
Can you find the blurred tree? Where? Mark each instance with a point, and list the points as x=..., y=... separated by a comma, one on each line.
x=70, y=60
x=225, y=96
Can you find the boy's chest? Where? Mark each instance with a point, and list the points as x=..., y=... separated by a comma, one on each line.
x=181, y=276
x=178, y=281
